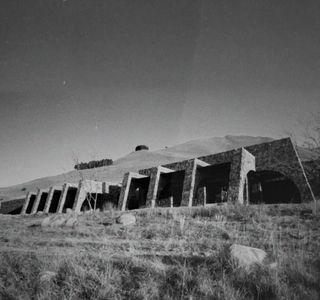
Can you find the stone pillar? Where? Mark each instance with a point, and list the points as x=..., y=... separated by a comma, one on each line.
x=189, y=180
x=204, y=191
x=188, y=184
x=105, y=188
x=80, y=197
x=63, y=196
x=201, y=197
x=26, y=203
x=126, y=182
x=36, y=202
x=242, y=162
x=155, y=174
x=153, y=187
x=171, y=201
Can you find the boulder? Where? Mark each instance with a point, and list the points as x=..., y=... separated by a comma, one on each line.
x=71, y=222
x=53, y=221
x=107, y=222
x=247, y=256
x=126, y=219
x=58, y=222
x=69, y=211
x=273, y=265
x=46, y=276
x=46, y=222
x=63, y=220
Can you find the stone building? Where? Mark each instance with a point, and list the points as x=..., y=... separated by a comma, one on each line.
x=264, y=173
x=85, y=195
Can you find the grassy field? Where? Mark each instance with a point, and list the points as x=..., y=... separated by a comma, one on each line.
x=180, y=253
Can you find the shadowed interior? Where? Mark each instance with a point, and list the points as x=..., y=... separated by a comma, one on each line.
x=138, y=193
x=216, y=181
x=42, y=202
x=16, y=211
x=115, y=192
x=99, y=201
x=70, y=198
x=30, y=205
x=13, y=207
x=55, y=201
x=271, y=187
x=170, y=185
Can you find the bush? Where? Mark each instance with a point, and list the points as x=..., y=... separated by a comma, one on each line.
x=93, y=164
x=142, y=147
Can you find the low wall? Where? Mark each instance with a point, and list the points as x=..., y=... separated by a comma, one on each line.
x=8, y=206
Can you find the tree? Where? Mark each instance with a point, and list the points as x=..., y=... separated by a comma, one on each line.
x=90, y=197
x=93, y=164
x=310, y=138
x=141, y=147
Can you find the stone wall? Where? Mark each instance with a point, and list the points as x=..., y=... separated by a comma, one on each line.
x=312, y=169
x=10, y=206
x=279, y=156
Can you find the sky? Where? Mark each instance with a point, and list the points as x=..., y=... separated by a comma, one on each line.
x=91, y=79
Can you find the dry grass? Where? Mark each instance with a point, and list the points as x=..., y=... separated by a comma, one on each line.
x=180, y=253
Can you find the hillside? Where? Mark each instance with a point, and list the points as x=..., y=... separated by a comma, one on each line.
x=139, y=160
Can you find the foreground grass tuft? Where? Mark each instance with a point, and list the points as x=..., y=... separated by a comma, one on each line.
x=169, y=254
x=94, y=277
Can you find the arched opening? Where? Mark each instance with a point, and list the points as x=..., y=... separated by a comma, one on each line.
x=99, y=201
x=170, y=189
x=271, y=187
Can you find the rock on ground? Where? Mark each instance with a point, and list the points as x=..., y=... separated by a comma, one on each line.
x=65, y=220
x=69, y=211
x=126, y=219
x=247, y=256
x=46, y=276
x=71, y=222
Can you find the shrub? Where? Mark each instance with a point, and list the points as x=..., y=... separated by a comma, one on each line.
x=93, y=164
x=141, y=147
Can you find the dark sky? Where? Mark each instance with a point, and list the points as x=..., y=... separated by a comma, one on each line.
x=92, y=79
